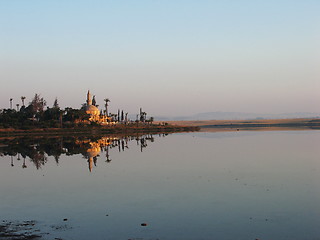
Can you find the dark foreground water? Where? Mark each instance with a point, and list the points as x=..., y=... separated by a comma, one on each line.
x=232, y=185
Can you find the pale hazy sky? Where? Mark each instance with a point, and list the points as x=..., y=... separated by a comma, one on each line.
x=171, y=57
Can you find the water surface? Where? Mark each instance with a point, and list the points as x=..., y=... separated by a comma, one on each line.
x=229, y=185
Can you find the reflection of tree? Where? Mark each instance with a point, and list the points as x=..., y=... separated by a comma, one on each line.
x=107, y=154
x=56, y=158
x=38, y=150
x=39, y=159
x=95, y=160
x=24, y=163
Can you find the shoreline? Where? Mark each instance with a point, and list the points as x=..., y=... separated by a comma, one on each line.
x=174, y=126
x=116, y=129
x=258, y=124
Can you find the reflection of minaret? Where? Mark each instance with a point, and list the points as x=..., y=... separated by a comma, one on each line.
x=90, y=161
x=89, y=101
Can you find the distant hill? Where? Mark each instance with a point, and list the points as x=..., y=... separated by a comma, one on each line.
x=238, y=116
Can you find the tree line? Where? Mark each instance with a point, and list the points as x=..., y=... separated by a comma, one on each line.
x=37, y=114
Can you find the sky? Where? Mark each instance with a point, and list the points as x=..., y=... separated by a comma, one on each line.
x=170, y=57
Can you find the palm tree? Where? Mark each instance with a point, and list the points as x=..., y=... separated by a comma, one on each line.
x=11, y=103
x=144, y=116
x=17, y=106
x=22, y=99
x=106, y=105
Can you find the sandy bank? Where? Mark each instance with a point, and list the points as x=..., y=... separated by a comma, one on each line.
x=261, y=124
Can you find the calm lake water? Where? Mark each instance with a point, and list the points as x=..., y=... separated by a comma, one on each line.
x=229, y=185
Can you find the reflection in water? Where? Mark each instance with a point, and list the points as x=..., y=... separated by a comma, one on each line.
x=91, y=147
x=239, y=185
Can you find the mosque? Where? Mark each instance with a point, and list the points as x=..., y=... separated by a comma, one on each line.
x=95, y=114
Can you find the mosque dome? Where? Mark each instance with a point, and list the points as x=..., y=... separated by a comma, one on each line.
x=93, y=152
x=92, y=110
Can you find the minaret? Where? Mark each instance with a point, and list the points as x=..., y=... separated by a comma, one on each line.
x=89, y=101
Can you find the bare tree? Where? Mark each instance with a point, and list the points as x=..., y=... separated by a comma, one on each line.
x=55, y=104
x=38, y=104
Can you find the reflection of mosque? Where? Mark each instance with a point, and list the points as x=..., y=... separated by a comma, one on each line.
x=105, y=144
x=92, y=154
x=95, y=148
x=90, y=148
